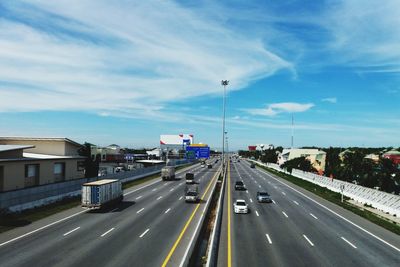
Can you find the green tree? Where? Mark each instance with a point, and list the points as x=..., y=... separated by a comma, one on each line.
x=91, y=165
x=300, y=163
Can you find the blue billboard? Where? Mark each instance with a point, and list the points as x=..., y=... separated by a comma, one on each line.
x=200, y=152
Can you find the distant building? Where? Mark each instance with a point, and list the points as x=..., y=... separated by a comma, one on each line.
x=111, y=153
x=393, y=155
x=315, y=156
x=252, y=148
x=156, y=153
x=28, y=162
x=373, y=157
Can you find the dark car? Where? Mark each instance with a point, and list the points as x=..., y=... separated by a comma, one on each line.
x=209, y=166
x=263, y=197
x=252, y=165
x=239, y=185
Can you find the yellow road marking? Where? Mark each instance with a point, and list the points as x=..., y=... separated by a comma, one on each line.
x=229, y=216
x=186, y=225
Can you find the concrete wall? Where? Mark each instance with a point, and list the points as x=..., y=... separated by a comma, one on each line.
x=13, y=154
x=14, y=172
x=27, y=198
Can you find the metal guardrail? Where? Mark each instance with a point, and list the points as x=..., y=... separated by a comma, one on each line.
x=26, y=198
x=383, y=201
x=212, y=254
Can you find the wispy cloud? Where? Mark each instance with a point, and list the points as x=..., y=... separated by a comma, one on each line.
x=127, y=58
x=365, y=34
x=277, y=108
x=332, y=100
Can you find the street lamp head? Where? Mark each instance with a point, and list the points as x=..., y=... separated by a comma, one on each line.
x=224, y=82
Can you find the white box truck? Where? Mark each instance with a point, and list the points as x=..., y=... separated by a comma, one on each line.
x=168, y=173
x=101, y=193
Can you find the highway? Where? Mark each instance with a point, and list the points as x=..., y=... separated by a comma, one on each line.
x=297, y=229
x=152, y=227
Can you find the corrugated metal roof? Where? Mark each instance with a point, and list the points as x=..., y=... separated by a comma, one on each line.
x=63, y=139
x=13, y=147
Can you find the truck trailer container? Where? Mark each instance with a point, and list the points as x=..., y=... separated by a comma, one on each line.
x=101, y=193
x=168, y=173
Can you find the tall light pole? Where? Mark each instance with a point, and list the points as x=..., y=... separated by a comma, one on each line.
x=224, y=83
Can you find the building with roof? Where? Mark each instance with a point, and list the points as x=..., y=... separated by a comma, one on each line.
x=112, y=153
x=315, y=156
x=393, y=155
x=27, y=162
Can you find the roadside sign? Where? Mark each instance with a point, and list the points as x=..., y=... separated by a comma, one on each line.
x=200, y=152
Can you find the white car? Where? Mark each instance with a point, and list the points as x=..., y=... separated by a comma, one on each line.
x=240, y=206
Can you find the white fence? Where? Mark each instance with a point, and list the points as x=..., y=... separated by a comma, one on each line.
x=383, y=201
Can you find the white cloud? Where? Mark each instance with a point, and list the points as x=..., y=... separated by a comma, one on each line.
x=128, y=59
x=365, y=34
x=332, y=100
x=277, y=108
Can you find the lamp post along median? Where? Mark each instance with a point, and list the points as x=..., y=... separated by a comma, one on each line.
x=224, y=83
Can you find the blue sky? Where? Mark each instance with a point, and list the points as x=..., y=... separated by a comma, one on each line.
x=127, y=71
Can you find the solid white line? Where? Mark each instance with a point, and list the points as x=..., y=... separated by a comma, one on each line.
x=107, y=232
x=167, y=210
x=139, y=197
x=257, y=213
x=295, y=202
x=348, y=242
x=251, y=200
x=180, y=198
x=145, y=232
x=283, y=193
x=139, y=211
x=309, y=241
x=285, y=214
x=269, y=239
x=41, y=228
x=340, y=216
x=73, y=230
x=160, y=197
x=315, y=217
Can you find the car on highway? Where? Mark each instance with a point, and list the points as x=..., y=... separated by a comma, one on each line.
x=240, y=206
x=239, y=185
x=263, y=197
x=252, y=165
x=209, y=166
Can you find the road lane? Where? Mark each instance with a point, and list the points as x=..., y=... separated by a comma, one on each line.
x=83, y=246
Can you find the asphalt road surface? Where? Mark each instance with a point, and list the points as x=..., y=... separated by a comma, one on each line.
x=153, y=226
x=297, y=229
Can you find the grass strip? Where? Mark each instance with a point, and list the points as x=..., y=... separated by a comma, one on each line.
x=336, y=199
